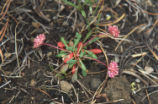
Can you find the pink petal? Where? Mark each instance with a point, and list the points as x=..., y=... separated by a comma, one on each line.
x=114, y=31
x=39, y=40
x=113, y=69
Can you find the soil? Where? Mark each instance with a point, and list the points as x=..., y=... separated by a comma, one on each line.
x=117, y=89
x=29, y=76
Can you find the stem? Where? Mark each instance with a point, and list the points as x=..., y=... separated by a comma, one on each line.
x=52, y=46
x=88, y=41
x=98, y=61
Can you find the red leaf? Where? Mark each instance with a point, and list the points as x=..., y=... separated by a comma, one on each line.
x=73, y=69
x=80, y=44
x=68, y=57
x=95, y=51
x=61, y=45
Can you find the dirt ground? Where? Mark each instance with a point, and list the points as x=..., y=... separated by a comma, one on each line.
x=29, y=75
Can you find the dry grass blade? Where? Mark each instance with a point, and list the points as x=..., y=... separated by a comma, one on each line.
x=156, y=22
x=147, y=94
x=154, y=54
x=135, y=75
x=2, y=57
x=154, y=14
x=116, y=21
x=3, y=30
x=139, y=54
x=99, y=12
x=5, y=84
x=86, y=90
x=104, y=52
x=44, y=92
x=2, y=33
x=38, y=11
x=6, y=7
x=126, y=36
x=145, y=74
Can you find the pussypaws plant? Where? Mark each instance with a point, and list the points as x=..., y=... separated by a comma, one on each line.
x=74, y=52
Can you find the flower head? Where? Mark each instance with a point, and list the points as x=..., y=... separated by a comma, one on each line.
x=114, y=31
x=113, y=69
x=38, y=41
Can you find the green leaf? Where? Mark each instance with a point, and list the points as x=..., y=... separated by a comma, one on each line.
x=77, y=39
x=70, y=3
x=99, y=19
x=89, y=2
x=82, y=53
x=87, y=36
x=61, y=54
x=91, y=54
x=72, y=61
x=83, y=13
x=96, y=9
x=83, y=67
x=64, y=42
x=70, y=49
x=60, y=76
x=64, y=68
x=74, y=76
x=93, y=40
x=71, y=65
x=91, y=10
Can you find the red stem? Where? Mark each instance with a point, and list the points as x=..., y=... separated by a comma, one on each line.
x=88, y=41
x=98, y=61
x=50, y=45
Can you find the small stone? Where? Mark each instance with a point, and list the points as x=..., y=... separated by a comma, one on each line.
x=65, y=86
x=95, y=83
x=51, y=103
x=148, y=69
x=137, y=80
x=36, y=25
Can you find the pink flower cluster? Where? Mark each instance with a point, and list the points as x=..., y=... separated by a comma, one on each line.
x=39, y=40
x=114, y=31
x=113, y=69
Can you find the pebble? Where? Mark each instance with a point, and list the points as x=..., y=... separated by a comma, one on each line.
x=137, y=80
x=148, y=69
x=65, y=86
x=51, y=103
